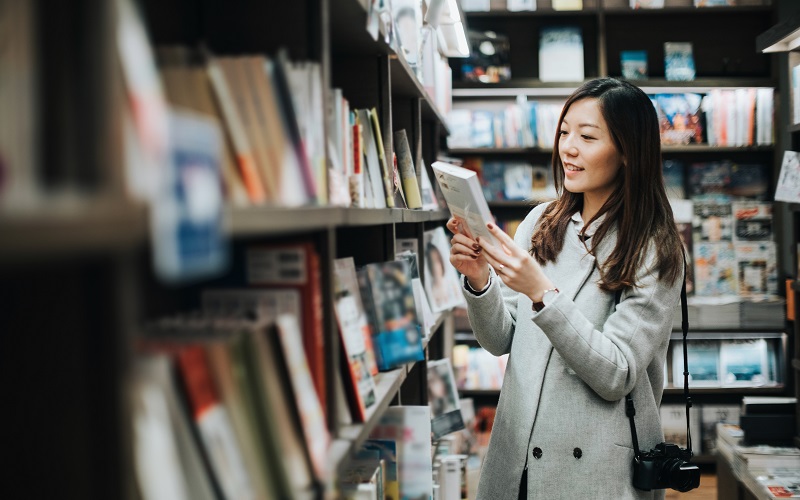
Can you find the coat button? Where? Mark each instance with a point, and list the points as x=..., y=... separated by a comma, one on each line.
x=537, y=453
x=577, y=453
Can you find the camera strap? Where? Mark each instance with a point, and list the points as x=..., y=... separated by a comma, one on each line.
x=630, y=411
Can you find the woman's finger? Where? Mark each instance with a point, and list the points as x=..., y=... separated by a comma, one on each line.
x=502, y=237
x=460, y=248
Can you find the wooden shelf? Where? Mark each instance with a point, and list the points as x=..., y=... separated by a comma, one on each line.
x=498, y=151
x=782, y=37
x=621, y=11
x=704, y=148
x=728, y=334
x=530, y=13
x=71, y=227
x=372, y=216
x=466, y=393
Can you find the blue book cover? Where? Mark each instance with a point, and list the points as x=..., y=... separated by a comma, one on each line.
x=633, y=64
x=674, y=179
x=678, y=61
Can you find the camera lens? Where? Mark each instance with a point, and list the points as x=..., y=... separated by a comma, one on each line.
x=681, y=476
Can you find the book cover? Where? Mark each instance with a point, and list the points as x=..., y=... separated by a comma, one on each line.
x=521, y=5
x=187, y=234
x=673, y=423
x=710, y=416
x=387, y=174
x=356, y=338
x=567, y=4
x=788, y=188
x=680, y=118
x=714, y=3
x=674, y=179
x=748, y=180
x=167, y=459
x=747, y=362
x=213, y=423
x=647, y=4
x=543, y=187
x=443, y=398
x=678, y=61
x=464, y=197
x=634, y=63
x=287, y=338
x=442, y=284
x=388, y=296
x=410, y=428
x=703, y=358
x=489, y=59
x=295, y=266
x=561, y=54
x=753, y=221
x=408, y=174
x=757, y=268
x=713, y=221
x=710, y=178
x=371, y=160
x=715, y=272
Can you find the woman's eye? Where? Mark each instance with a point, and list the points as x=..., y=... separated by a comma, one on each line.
x=562, y=132
x=587, y=137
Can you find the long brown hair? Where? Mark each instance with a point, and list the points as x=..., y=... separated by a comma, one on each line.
x=638, y=206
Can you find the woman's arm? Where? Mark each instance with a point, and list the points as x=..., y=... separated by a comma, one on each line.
x=610, y=361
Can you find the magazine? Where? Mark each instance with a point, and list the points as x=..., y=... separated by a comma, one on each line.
x=442, y=285
x=443, y=398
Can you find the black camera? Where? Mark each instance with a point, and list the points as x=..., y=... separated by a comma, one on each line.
x=665, y=466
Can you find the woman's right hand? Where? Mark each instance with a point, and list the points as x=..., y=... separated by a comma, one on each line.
x=466, y=255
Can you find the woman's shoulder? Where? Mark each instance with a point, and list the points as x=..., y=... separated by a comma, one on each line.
x=528, y=224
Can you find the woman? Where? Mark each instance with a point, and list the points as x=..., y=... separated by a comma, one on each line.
x=548, y=298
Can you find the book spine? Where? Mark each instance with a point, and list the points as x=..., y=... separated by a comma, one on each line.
x=405, y=166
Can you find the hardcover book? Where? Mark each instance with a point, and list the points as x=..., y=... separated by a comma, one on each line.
x=561, y=54
x=678, y=61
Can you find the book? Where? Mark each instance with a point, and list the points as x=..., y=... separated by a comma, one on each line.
x=464, y=197
x=674, y=179
x=372, y=166
x=647, y=4
x=442, y=284
x=561, y=54
x=753, y=221
x=295, y=266
x=634, y=63
x=489, y=59
x=167, y=459
x=386, y=173
x=749, y=362
x=405, y=166
x=788, y=187
x=521, y=5
x=567, y=4
x=756, y=263
x=713, y=221
x=714, y=3
x=187, y=235
x=710, y=416
x=678, y=61
x=703, y=359
x=715, y=270
x=680, y=118
x=443, y=398
x=410, y=428
x=388, y=296
x=673, y=423
x=356, y=338
x=213, y=424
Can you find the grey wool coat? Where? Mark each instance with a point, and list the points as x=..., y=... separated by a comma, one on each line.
x=561, y=411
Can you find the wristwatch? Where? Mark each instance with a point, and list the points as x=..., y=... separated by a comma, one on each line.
x=547, y=297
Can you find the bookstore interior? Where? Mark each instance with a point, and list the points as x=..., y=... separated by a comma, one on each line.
x=223, y=254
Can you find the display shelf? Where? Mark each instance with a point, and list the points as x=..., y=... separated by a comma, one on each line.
x=372, y=216
x=266, y=221
x=738, y=390
x=529, y=13
x=728, y=334
x=466, y=393
x=498, y=151
x=513, y=204
x=70, y=227
x=782, y=37
x=796, y=364
x=710, y=11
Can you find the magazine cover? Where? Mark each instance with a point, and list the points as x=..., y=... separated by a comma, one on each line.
x=715, y=269
x=757, y=267
x=680, y=118
x=647, y=4
x=389, y=302
x=633, y=64
x=748, y=362
x=489, y=58
x=788, y=188
x=673, y=422
x=710, y=178
x=678, y=61
x=710, y=416
x=712, y=221
x=441, y=279
x=443, y=398
x=674, y=179
x=749, y=180
x=356, y=338
x=703, y=357
x=753, y=221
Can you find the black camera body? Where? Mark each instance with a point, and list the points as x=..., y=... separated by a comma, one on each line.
x=665, y=466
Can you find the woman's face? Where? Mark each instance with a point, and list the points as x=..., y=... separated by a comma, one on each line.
x=589, y=157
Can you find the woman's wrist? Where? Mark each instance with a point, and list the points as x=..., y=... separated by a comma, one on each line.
x=478, y=282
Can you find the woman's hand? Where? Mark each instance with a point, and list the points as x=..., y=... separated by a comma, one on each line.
x=516, y=267
x=466, y=255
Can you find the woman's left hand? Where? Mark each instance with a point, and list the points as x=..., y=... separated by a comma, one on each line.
x=516, y=267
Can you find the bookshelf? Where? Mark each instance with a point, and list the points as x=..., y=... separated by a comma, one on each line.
x=75, y=254
x=608, y=27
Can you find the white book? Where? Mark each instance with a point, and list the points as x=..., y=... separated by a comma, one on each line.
x=373, y=166
x=464, y=197
x=788, y=189
x=521, y=5
x=561, y=54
